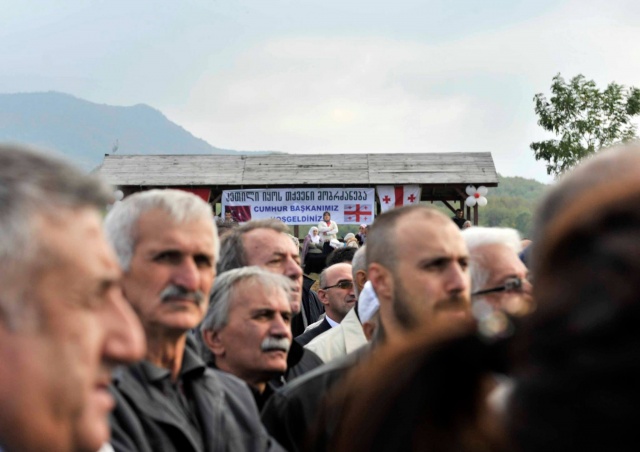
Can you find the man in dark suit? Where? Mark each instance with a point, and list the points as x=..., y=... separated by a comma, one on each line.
x=337, y=295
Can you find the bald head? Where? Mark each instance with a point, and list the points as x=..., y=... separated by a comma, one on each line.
x=382, y=237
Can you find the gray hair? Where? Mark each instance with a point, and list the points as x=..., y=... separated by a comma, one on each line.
x=34, y=185
x=477, y=237
x=232, y=253
x=358, y=263
x=181, y=206
x=223, y=293
x=322, y=279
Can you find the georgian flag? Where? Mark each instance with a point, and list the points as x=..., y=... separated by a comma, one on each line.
x=391, y=196
x=358, y=213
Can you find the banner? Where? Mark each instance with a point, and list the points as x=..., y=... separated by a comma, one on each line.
x=397, y=195
x=301, y=205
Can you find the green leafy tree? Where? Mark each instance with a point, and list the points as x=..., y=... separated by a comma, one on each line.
x=584, y=119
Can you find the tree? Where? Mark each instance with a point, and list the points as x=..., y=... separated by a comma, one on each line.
x=585, y=119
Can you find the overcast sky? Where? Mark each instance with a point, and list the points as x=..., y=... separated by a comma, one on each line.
x=330, y=76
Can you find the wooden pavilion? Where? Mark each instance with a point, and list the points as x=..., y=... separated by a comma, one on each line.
x=442, y=176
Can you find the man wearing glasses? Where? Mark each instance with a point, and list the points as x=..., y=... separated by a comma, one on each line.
x=498, y=276
x=337, y=295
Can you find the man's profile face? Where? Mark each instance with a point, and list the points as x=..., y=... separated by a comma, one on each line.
x=171, y=271
x=275, y=252
x=502, y=263
x=256, y=315
x=431, y=276
x=63, y=364
x=338, y=302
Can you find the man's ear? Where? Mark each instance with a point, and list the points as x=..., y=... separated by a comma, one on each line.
x=322, y=296
x=214, y=343
x=381, y=280
x=361, y=279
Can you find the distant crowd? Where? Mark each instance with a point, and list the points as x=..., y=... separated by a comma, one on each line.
x=145, y=325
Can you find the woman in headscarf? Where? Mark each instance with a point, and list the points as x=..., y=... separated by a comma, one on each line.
x=311, y=242
x=350, y=240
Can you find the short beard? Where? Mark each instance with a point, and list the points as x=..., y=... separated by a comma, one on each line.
x=410, y=320
x=402, y=309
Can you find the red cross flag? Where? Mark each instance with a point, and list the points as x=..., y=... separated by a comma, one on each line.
x=397, y=195
x=358, y=213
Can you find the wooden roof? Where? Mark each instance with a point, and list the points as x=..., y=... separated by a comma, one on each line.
x=275, y=170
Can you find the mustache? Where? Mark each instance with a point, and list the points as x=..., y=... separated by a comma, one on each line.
x=275, y=343
x=173, y=291
x=457, y=301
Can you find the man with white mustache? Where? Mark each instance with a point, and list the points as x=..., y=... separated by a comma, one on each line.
x=167, y=245
x=247, y=328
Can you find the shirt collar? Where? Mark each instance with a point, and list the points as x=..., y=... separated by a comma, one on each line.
x=331, y=322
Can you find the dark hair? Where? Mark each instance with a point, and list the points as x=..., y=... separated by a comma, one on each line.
x=577, y=358
x=339, y=255
x=424, y=393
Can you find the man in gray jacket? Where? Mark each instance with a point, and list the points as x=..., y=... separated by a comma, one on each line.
x=167, y=245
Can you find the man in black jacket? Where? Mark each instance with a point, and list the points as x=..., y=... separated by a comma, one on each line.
x=418, y=266
x=167, y=245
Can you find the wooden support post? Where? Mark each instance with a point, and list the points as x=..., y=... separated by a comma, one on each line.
x=475, y=215
x=296, y=230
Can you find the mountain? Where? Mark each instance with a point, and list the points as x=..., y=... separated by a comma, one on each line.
x=85, y=131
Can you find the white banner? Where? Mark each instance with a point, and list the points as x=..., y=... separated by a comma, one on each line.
x=301, y=205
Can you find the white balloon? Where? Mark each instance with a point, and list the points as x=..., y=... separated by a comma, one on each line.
x=470, y=190
x=471, y=201
x=482, y=201
x=118, y=194
x=482, y=190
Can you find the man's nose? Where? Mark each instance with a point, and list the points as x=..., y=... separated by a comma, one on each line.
x=458, y=279
x=279, y=327
x=187, y=275
x=293, y=269
x=125, y=340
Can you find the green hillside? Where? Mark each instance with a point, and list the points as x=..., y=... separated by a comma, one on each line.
x=512, y=204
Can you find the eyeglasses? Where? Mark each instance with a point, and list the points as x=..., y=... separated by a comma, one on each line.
x=510, y=285
x=344, y=284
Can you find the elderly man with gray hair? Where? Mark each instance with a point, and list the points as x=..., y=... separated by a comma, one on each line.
x=498, y=276
x=64, y=324
x=167, y=244
x=267, y=244
x=247, y=328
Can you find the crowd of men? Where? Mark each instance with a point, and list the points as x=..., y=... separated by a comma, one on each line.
x=147, y=331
